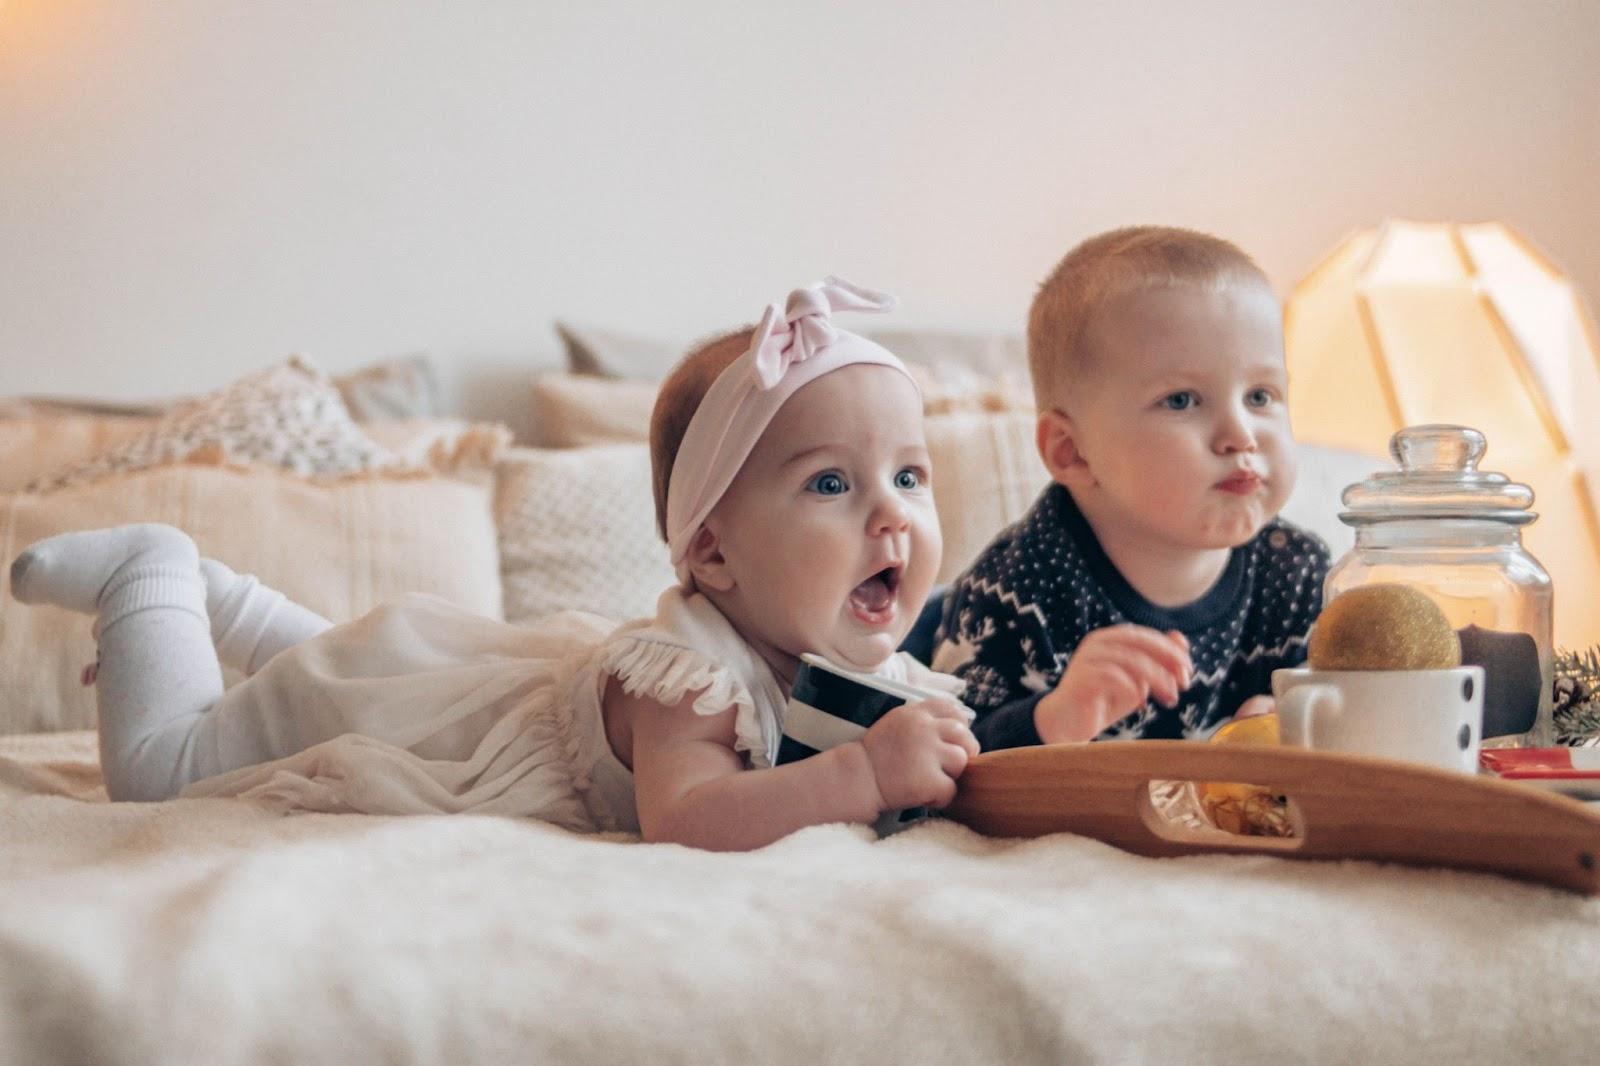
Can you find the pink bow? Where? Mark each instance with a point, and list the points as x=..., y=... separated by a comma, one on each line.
x=804, y=327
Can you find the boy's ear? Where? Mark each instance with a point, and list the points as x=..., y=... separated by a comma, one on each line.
x=706, y=564
x=1057, y=439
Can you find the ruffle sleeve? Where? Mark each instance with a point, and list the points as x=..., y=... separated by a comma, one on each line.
x=667, y=673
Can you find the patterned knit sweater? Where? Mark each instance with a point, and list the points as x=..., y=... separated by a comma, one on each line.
x=1013, y=619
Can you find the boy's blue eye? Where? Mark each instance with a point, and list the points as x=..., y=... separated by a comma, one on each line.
x=1258, y=397
x=828, y=483
x=1180, y=401
x=907, y=479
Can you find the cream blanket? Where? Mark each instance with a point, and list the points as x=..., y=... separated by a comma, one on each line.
x=208, y=931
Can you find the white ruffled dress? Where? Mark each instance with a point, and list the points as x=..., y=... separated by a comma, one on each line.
x=421, y=708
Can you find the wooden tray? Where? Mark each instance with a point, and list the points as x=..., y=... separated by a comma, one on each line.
x=1343, y=807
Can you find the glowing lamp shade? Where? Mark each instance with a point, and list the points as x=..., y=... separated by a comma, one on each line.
x=1442, y=322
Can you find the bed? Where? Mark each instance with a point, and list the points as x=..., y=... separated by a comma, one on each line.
x=210, y=931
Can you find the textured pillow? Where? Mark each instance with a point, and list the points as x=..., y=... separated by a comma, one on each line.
x=339, y=547
x=950, y=388
x=290, y=416
x=44, y=441
x=986, y=474
x=577, y=531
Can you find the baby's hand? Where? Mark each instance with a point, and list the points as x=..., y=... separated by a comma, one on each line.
x=917, y=751
x=1113, y=673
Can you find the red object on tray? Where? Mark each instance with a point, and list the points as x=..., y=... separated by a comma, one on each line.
x=1514, y=763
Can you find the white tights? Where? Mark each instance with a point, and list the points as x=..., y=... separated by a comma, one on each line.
x=166, y=621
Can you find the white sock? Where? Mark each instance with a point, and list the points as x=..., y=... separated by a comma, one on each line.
x=158, y=673
x=84, y=571
x=250, y=622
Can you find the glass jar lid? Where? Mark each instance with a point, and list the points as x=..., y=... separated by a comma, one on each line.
x=1438, y=478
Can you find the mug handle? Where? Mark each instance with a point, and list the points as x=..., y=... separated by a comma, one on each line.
x=1297, y=708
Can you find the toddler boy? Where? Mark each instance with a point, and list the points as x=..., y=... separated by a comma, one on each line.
x=1151, y=590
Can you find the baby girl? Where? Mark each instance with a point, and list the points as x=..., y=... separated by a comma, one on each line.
x=792, y=486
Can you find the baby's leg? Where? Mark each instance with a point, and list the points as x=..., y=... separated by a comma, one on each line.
x=158, y=672
x=250, y=622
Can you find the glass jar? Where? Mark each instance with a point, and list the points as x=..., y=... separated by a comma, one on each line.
x=1441, y=525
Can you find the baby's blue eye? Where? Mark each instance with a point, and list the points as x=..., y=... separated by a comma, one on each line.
x=1258, y=397
x=907, y=479
x=828, y=483
x=1180, y=401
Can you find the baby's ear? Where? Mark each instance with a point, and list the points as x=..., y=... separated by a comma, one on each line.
x=706, y=564
x=1057, y=440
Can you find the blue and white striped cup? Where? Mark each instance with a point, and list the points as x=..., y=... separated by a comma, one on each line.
x=830, y=705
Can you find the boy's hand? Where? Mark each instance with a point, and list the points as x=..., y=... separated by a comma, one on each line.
x=917, y=751
x=1112, y=674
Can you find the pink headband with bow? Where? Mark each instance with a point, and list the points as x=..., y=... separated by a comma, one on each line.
x=793, y=345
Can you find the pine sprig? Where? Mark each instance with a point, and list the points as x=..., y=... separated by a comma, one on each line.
x=1576, y=702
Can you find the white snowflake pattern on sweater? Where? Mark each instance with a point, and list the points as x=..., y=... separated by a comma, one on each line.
x=1013, y=619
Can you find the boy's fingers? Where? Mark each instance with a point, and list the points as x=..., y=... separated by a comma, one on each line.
x=1162, y=657
x=1171, y=646
x=1188, y=661
x=1152, y=676
x=1127, y=690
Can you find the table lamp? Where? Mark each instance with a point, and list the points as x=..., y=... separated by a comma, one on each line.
x=1411, y=323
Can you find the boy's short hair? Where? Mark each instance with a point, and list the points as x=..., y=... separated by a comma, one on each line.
x=1108, y=265
x=678, y=400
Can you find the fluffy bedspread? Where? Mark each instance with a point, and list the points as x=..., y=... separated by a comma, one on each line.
x=209, y=931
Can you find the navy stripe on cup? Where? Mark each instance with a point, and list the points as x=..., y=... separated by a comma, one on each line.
x=841, y=696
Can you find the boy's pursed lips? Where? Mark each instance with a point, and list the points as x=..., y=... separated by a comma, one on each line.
x=1241, y=482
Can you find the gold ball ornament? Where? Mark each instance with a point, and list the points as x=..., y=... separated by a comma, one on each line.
x=1383, y=627
x=1246, y=810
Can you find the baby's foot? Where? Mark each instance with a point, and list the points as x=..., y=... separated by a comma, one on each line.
x=74, y=570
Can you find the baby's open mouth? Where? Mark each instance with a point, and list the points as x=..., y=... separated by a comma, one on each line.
x=873, y=599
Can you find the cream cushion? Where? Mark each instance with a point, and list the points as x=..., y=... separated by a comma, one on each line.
x=339, y=547
x=986, y=474
x=577, y=532
x=576, y=410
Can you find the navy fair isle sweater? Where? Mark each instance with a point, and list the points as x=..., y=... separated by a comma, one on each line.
x=1012, y=620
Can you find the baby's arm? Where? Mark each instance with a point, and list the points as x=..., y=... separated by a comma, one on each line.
x=692, y=787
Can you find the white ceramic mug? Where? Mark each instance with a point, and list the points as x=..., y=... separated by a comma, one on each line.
x=1426, y=716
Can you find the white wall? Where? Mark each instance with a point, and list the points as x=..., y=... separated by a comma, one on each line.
x=192, y=188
